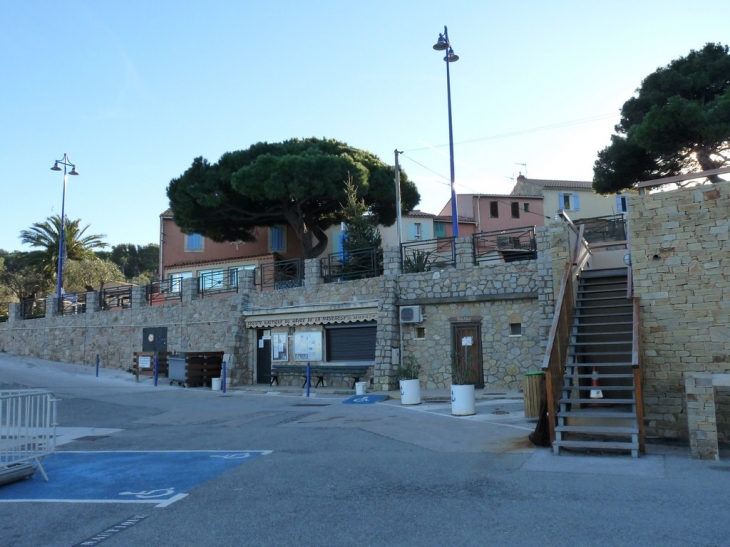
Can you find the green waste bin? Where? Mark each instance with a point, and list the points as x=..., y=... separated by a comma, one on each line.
x=531, y=388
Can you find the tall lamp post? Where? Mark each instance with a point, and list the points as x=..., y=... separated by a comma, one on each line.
x=62, y=240
x=443, y=44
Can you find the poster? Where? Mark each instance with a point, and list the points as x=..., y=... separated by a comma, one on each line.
x=279, y=346
x=308, y=346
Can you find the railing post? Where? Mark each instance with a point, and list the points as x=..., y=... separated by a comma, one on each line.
x=392, y=261
x=139, y=297
x=464, y=253
x=312, y=272
x=190, y=289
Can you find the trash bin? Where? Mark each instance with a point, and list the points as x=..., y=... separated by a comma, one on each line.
x=531, y=388
x=176, y=370
x=361, y=388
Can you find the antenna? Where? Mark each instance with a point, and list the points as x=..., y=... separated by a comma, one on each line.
x=512, y=178
x=523, y=165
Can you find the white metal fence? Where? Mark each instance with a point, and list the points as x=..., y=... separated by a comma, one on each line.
x=27, y=429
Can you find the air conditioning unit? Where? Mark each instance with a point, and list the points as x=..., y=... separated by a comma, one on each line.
x=410, y=314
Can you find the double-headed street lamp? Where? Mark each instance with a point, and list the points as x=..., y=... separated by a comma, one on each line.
x=443, y=44
x=62, y=240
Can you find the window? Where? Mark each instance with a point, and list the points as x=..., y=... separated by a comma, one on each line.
x=193, y=243
x=568, y=202
x=417, y=231
x=526, y=207
x=515, y=329
x=622, y=204
x=494, y=209
x=439, y=229
x=277, y=239
x=420, y=333
x=515, y=209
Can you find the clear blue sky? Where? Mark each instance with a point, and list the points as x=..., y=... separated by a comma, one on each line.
x=134, y=90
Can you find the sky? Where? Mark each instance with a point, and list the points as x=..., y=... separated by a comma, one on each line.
x=134, y=90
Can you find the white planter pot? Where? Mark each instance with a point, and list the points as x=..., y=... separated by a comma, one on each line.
x=463, y=402
x=410, y=392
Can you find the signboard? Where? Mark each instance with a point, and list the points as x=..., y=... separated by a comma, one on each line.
x=279, y=347
x=308, y=346
x=144, y=361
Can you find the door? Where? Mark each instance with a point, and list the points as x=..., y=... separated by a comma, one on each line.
x=154, y=339
x=466, y=343
x=263, y=356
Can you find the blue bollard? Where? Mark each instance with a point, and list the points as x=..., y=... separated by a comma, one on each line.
x=223, y=377
x=97, y=365
x=155, y=370
x=309, y=375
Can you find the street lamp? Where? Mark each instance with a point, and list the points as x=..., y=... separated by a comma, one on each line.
x=443, y=44
x=62, y=240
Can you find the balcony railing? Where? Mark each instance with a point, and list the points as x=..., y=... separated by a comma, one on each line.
x=33, y=308
x=115, y=298
x=218, y=282
x=158, y=292
x=72, y=304
x=284, y=274
x=348, y=265
x=422, y=256
x=604, y=229
x=505, y=245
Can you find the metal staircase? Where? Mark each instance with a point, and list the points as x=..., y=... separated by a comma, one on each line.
x=598, y=402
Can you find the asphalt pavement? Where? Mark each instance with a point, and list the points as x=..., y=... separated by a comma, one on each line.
x=139, y=464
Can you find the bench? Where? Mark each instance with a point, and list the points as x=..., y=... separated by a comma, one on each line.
x=318, y=371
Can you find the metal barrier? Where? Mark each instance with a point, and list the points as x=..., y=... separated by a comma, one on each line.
x=72, y=304
x=33, y=308
x=159, y=292
x=115, y=298
x=282, y=274
x=27, y=431
x=218, y=282
x=347, y=265
x=4, y=311
x=422, y=256
x=505, y=245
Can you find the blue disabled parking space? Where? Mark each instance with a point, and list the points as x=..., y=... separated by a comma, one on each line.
x=156, y=477
x=364, y=399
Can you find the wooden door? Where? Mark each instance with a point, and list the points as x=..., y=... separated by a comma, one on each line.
x=466, y=344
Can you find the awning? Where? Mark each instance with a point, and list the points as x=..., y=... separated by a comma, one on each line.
x=293, y=319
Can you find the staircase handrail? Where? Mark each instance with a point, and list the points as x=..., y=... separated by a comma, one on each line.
x=638, y=374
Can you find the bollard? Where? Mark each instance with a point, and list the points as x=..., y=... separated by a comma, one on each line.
x=309, y=375
x=155, y=370
x=97, y=365
x=223, y=377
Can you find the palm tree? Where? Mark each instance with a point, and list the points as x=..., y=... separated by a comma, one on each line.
x=47, y=236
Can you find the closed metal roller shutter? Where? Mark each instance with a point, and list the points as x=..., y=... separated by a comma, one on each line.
x=351, y=342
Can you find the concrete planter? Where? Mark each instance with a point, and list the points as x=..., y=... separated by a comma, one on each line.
x=410, y=392
x=463, y=400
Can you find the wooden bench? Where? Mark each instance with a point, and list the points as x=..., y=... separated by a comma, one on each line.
x=318, y=371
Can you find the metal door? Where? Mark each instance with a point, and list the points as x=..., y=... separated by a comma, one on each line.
x=154, y=339
x=466, y=343
x=263, y=356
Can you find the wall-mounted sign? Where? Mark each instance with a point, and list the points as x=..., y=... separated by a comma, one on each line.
x=308, y=346
x=144, y=361
x=279, y=347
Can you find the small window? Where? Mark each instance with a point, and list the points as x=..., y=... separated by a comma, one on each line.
x=277, y=241
x=515, y=209
x=568, y=202
x=622, y=204
x=526, y=207
x=417, y=231
x=494, y=209
x=193, y=243
x=515, y=329
x=420, y=333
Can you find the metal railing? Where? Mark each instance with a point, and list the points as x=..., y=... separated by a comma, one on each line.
x=604, y=229
x=218, y=282
x=115, y=298
x=348, y=265
x=33, y=308
x=284, y=274
x=165, y=290
x=72, y=304
x=505, y=245
x=422, y=256
x=27, y=432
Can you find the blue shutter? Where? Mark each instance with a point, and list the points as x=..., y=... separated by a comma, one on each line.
x=424, y=232
x=277, y=238
x=337, y=241
x=576, y=203
x=411, y=231
x=561, y=200
x=622, y=204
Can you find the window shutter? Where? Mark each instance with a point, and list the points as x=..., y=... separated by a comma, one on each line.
x=561, y=201
x=621, y=204
x=411, y=232
x=337, y=241
x=424, y=230
x=439, y=229
x=576, y=203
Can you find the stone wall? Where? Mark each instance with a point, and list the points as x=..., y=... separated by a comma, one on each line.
x=681, y=265
x=519, y=293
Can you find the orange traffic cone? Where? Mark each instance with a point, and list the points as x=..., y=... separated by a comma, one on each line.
x=596, y=392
